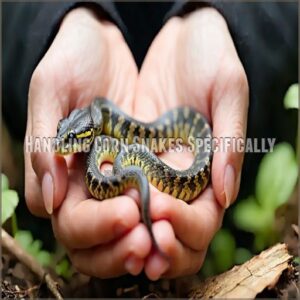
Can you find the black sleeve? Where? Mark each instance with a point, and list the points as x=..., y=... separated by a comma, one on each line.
x=266, y=38
x=265, y=35
x=28, y=30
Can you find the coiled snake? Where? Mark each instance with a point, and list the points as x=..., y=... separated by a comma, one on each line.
x=103, y=126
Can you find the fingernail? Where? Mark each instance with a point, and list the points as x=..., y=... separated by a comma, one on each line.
x=132, y=265
x=134, y=194
x=229, y=185
x=158, y=263
x=47, y=190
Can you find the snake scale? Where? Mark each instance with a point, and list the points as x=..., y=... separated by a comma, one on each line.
x=102, y=125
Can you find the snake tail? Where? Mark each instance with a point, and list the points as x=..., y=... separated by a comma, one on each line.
x=117, y=182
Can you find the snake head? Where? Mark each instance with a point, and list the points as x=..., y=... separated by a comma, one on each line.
x=76, y=133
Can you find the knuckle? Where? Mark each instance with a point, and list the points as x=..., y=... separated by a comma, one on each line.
x=38, y=77
x=239, y=128
x=62, y=229
x=128, y=208
x=237, y=77
x=162, y=209
x=114, y=33
x=69, y=232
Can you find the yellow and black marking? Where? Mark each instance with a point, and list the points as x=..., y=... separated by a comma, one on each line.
x=133, y=164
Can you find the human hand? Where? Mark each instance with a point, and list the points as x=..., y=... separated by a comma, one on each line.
x=193, y=62
x=83, y=225
x=81, y=63
x=87, y=58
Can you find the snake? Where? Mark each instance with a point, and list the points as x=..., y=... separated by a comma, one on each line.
x=99, y=130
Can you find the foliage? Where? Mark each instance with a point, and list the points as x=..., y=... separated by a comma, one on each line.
x=33, y=247
x=224, y=254
x=277, y=176
x=291, y=99
x=225, y=260
x=296, y=260
x=275, y=182
x=63, y=268
x=10, y=201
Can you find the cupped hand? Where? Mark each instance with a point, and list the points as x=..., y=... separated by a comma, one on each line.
x=87, y=58
x=193, y=62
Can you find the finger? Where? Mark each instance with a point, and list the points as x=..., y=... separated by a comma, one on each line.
x=85, y=223
x=44, y=111
x=229, y=118
x=194, y=224
x=33, y=191
x=183, y=260
x=97, y=222
x=115, y=259
x=156, y=89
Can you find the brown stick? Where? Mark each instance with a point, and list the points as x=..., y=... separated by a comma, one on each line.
x=247, y=280
x=13, y=247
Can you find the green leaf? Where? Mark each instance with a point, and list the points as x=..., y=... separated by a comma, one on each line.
x=242, y=255
x=248, y=215
x=223, y=248
x=208, y=267
x=44, y=258
x=277, y=176
x=4, y=182
x=24, y=238
x=10, y=201
x=33, y=247
x=262, y=240
x=291, y=98
x=296, y=260
x=63, y=268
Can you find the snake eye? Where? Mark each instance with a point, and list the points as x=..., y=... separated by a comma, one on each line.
x=71, y=135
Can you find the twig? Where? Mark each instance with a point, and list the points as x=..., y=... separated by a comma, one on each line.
x=13, y=247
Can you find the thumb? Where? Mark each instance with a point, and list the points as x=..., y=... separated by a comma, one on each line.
x=229, y=117
x=51, y=170
x=52, y=174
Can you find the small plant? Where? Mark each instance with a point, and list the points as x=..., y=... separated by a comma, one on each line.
x=291, y=99
x=275, y=182
x=10, y=201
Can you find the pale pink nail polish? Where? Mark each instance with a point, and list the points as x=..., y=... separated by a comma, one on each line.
x=47, y=191
x=229, y=185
